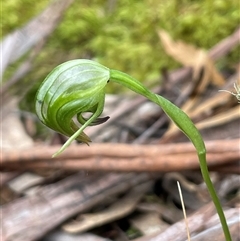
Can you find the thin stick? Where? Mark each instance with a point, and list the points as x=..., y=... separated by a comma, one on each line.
x=184, y=211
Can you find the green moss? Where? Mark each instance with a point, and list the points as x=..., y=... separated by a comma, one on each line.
x=124, y=35
x=16, y=13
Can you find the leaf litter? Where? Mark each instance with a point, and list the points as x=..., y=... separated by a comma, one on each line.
x=109, y=205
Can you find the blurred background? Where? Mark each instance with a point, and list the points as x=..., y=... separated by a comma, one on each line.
x=119, y=34
x=184, y=50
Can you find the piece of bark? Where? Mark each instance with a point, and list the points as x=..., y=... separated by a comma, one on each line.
x=233, y=167
x=119, y=209
x=140, y=164
x=29, y=218
x=38, y=153
x=177, y=231
x=122, y=157
x=215, y=233
x=197, y=222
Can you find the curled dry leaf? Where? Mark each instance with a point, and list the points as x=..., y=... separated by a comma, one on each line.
x=190, y=56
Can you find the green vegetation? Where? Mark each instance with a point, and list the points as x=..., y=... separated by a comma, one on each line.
x=93, y=28
x=123, y=34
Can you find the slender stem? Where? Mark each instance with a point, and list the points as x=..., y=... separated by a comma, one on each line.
x=185, y=124
x=215, y=199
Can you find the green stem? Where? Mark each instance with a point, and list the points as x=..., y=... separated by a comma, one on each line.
x=186, y=126
x=215, y=199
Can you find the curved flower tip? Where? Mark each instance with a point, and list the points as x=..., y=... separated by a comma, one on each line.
x=71, y=89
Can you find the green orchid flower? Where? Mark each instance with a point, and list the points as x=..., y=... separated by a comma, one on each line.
x=71, y=89
x=78, y=86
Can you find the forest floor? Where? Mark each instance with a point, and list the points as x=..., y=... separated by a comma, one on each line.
x=124, y=185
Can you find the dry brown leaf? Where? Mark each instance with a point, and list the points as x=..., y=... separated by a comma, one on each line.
x=219, y=99
x=187, y=55
x=208, y=106
x=220, y=119
x=190, y=56
x=197, y=107
x=118, y=210
x=199, y=60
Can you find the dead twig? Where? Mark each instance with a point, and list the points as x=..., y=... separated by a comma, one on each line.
x=122, y=157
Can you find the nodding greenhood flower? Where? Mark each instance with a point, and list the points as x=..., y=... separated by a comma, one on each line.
x=71, y=89
x=78, y=86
